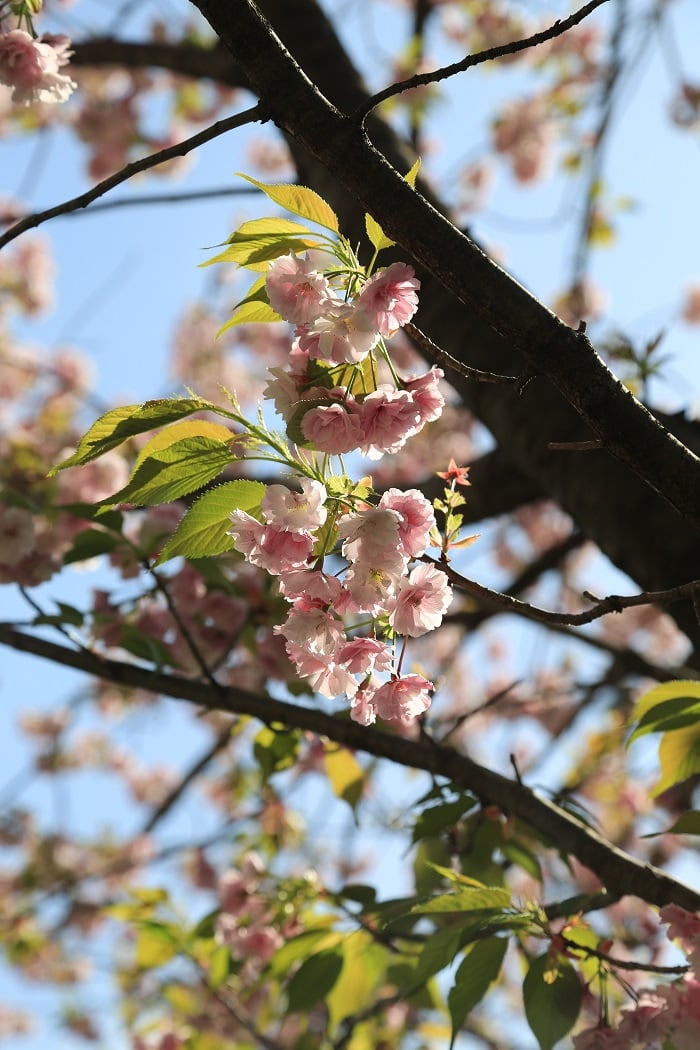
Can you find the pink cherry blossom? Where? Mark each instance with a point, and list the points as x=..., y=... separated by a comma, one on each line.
x=295, y=289
x=17, y=538
x=372, y=536
x=317, y=586
x=691, y=306
x=332, y=429
x=388, y=418
x=362, y=706
x=342, y=334
x=276, y=550
x=372, y=586
x=426, y=394
x=364, y=655
x=313, y=630
x=403, y=699
x=421, y=602
x=31, y=67
x=390, y=298
x=417, y=518
x=601, y=1038
x=296, y=511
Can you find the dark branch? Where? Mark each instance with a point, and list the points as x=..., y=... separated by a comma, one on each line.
x=619, y=872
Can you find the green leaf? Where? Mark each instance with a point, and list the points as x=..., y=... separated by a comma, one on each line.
x=437, y=818
x=314, y=980
x=175, y=471
x=119, y=424
x=378, y=239
x=275, y=749
x=300, y=201
x=412, y=175
x=345, y=774
x=552, y=1007
x=679, y=757
x=301, y=947
x=187, y=428
x=687, y=824
x=67, y=614
x=156, y=944
x=256, y=243
x=203, y=532
x=253, y=309
x=671, y=705
x=490, y=899
x=90, y=543
x=219, y=966
x=478, y=970
x=364, y=963
x=145, y=646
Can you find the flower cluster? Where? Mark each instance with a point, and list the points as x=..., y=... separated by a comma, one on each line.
x=347, y=625
x=32, y=67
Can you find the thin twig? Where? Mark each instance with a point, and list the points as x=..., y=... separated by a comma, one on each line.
x=626, y=964
x=441, y=356
x=512, y=48
x=613, y=603
x=181, y=149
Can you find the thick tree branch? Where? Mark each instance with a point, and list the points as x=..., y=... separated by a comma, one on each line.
x=619, y=872
x=551, y=349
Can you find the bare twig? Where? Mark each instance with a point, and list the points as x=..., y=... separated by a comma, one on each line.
x=181, y=149
x=441, y=356
x=613, y=603
x=491, y=53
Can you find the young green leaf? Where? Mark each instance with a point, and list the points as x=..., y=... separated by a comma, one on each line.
x=671, y=705
x=679, y=757
x=119, y=424
x=478, y=970
x=314, y=979
x=300, y=201
x=551, y=1007
x=345, y=774
x=378, y=239
x=183, y=467
x=203, y=532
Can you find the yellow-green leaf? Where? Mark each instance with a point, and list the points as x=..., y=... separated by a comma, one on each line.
x=119, y=424
x=378, y=239
x=155, y=945
x=412, y=175
x=188, y=428
x=203, y=532
x=668, y=706
x=345, y=774
x=679, y=757
x=300, y=201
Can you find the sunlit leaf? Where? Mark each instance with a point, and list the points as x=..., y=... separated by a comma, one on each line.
x=156, y=944
x=378, y=239
x=203, y=532
x=119, y=424
x=300, y=201
x=170, y=473
x=670, y=705
x=679, y=757
x=344, y=773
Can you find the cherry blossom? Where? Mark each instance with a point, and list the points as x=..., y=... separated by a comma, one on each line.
x=421, y=602
x=31, y=67
x=297, y=291
x=390, y=298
